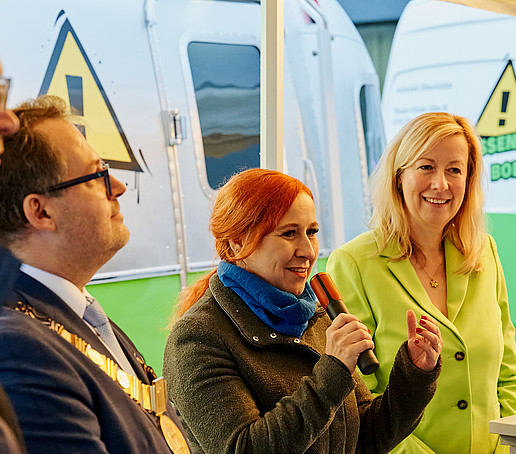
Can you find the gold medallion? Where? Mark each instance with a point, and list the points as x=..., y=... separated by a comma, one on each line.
x=98, y=358
x=123, y=379
x=175, y=439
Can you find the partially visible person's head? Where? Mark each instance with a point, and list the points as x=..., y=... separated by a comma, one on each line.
x=79, y=224
x=8, y=121
x=417, y=138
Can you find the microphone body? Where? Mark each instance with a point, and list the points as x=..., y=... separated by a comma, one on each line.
x=329, y=297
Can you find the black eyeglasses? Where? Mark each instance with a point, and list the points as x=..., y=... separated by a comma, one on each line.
x=104, y=173
x=4, y=91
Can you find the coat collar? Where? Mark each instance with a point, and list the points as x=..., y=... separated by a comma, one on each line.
x=258, y=333
x=457, y=284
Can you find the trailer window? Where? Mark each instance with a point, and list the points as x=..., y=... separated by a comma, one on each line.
x=372, y=125
x=226, y=80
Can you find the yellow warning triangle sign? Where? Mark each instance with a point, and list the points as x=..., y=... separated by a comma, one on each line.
x=70, y=75
x=499, y=114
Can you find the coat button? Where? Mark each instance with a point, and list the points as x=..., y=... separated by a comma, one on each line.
x=256, y=338
x=459, y=356
x=296, y=340
x=462, y=404
x=273, y=335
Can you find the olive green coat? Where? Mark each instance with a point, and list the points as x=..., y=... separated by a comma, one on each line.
x=240, y=387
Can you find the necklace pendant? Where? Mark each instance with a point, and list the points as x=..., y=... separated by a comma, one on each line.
x=434, y=283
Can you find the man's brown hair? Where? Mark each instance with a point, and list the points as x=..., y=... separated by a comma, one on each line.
x=29, y=164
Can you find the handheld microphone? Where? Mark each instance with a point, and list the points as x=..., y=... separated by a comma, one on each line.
x=329, y=297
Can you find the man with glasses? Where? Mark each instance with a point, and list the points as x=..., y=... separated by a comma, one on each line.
x=76, y=381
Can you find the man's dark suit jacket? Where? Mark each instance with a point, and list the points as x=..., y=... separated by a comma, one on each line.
x=64, y=402
x=9, y=269
x=11, y=440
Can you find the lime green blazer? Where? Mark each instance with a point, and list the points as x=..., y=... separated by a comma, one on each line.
x=478, y=378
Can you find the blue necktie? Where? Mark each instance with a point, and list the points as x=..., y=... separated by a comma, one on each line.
x=96, y=317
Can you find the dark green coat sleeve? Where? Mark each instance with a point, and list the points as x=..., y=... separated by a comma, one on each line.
x=386, y=420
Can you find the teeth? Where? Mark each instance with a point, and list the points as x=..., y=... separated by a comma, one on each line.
x=298, y=270
x=438, y=201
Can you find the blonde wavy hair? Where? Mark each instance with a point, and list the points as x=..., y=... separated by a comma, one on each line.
x=467, y=229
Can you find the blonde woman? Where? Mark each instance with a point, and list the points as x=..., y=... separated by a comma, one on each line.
x=428, y=251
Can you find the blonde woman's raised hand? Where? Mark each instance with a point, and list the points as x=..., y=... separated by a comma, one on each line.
x=424, y=341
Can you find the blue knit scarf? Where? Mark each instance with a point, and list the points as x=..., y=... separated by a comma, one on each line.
x=282, y=311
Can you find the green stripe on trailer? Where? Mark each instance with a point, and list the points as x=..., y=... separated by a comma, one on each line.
x=503, y=229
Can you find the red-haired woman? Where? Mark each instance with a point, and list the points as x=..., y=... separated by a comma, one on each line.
x=255, y=365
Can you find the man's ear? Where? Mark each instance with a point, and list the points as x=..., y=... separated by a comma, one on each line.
x=38, y=212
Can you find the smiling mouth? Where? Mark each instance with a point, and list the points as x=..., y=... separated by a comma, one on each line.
x=435, y=201
x=302, y=272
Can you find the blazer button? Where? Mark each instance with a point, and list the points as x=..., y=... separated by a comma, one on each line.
x=297, y=341
x=462, y=404
x=256, y=338
x=273, y=335
x=459, y=356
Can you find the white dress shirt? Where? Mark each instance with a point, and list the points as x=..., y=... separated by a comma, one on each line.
x=76, y=300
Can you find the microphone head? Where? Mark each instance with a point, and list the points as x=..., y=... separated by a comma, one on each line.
x=324, y=288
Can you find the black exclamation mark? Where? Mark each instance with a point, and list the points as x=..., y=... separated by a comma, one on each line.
x=505, y=100
x=75, y=95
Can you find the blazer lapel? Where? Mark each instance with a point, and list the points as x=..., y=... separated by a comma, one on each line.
x=132, y=354
x=457, y=284
x=46, y=302
x=407, y=277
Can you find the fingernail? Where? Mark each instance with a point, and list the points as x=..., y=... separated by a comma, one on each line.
x=416, y=341
x=425, y=317
x=422, y=322
x=419, y=330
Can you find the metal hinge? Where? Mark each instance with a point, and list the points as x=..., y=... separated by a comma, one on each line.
x=174, y=127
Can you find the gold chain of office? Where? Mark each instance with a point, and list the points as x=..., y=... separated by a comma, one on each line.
x=152, y=398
